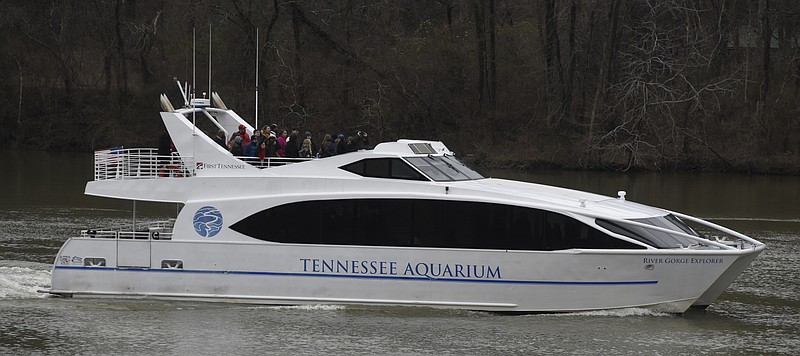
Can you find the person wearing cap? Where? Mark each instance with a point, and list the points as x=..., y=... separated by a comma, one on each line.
x=243, y=134
x=251, y=149
x=341, y=144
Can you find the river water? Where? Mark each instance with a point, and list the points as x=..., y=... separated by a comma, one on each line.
x=41, y=205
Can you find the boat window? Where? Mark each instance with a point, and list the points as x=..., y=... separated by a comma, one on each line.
x=394, y=168
x=421, y=148
x=444, y=168
x=424, y=223
x=469, y=172
x=651, y=237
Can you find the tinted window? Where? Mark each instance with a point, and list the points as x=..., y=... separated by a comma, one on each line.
x=428, y=168
x=651, y=237
x=424, y=223
x=394, y=168
x=444, y=168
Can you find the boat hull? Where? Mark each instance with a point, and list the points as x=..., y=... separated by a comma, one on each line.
x=491, y=280
x=722, y=283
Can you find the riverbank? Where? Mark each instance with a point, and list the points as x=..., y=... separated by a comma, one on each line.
x=780, y=164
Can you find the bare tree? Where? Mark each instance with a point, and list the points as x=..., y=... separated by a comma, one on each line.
x=662, y=84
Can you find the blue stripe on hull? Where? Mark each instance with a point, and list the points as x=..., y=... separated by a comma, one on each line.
x=326, y=275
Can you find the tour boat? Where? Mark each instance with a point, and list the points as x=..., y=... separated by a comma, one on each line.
x=404, y=223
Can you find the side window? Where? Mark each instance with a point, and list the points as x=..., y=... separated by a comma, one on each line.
x=393, y=168
x=427, y=223
x=377, y=168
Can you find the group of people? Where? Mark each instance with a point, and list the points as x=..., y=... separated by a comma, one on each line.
x=271, y=142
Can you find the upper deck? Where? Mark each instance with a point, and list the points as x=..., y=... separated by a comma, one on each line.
x=120, y=163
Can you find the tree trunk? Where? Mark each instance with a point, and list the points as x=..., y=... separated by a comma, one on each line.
x=298, y=68
x=263, y=65
x=480, y=34
x=766, y=38
x=555, y=76
x=492, y=70
x=568, y=88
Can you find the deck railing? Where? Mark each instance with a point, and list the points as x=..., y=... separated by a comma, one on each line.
x=139, y=163
x=155, y=230
x=145, y=163
x=271, y=161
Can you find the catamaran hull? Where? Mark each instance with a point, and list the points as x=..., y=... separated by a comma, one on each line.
x=507, y=281
x=722, y=283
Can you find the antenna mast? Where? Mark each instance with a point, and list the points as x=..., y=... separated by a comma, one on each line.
x=209, y=63
x=256, y=75
x=194, y=80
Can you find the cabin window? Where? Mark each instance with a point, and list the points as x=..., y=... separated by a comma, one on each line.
x=651, y=237
x=393, y=168
x=444, y=168
x=424, y=223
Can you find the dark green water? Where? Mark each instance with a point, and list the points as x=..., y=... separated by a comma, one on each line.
x=41, y=205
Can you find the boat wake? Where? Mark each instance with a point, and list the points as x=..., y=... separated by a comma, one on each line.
x=22, y=282
x=790, y=220
x=312, y=307
x=624, y=312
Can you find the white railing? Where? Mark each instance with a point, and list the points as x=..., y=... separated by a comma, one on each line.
x=139, y=163
x=145, y=163
x=156, y=230
x=271, y=161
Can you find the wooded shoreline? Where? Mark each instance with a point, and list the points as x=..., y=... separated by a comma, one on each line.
x=710, y=85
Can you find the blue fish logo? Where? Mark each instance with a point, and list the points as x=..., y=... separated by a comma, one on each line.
x=207, y=221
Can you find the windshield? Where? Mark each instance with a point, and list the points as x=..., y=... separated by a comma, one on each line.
x=444, y=168
x=652, y=237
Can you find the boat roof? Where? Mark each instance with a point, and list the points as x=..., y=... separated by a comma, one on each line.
x=209, y=172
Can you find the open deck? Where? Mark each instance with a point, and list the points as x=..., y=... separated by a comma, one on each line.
x=145, y=163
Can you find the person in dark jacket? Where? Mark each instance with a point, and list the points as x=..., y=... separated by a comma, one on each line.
x=341, y=144
x=328, y=147
x=292, y=149
x=251, y=150
x=272, y=146
x=220, y=139
x=361, y=142
x=236, y=146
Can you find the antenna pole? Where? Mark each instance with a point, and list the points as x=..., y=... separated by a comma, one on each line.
x=256, y=75
x=194, y=80
x=209, y=61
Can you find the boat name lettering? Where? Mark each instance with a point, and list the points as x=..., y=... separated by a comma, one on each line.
x=201, y=165
x=685, y=260
x=390, y=268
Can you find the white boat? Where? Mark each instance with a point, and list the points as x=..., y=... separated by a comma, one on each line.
x=405, y=223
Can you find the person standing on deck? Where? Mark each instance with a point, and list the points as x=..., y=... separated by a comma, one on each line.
x=243, y=134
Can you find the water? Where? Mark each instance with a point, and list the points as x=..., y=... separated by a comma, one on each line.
x=41, y=205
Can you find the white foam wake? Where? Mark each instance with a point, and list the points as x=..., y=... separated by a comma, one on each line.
x=312, y=307
x=22, y=282
x=623, y=312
